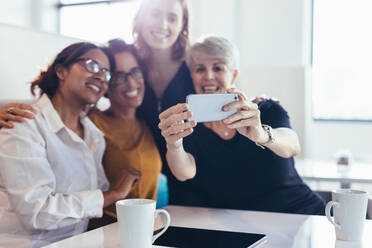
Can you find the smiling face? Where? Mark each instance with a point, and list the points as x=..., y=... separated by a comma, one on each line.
x=127, y=93
x=212, y=76
x=77, y=84
x=162, y=22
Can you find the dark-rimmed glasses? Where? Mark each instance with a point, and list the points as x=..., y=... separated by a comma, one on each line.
x=92, y=66
x=121, y=77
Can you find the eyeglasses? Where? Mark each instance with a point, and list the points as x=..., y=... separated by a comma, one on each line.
x=121, y=77
x=92, y=66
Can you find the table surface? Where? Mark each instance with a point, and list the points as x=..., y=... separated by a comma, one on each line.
x=282, y=230
x=327, y=170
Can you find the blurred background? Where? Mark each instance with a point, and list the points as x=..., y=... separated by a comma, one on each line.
x=313, y=55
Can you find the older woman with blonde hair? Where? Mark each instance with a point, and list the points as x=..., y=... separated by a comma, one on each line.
x=244, y=161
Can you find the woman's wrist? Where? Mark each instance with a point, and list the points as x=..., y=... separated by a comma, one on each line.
x=110, y=197
x=267, y=136
x=175, y=147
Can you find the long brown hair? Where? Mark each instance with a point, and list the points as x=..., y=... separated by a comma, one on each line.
x=178, y=48
x=48, y=81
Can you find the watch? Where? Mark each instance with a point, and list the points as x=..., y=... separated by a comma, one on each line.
x=270, y=132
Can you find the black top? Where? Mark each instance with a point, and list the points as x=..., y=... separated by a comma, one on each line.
x=179, y=87
x=238, y=174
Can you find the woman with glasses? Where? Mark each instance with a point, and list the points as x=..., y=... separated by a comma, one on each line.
x=51, y=176
x=129, y=142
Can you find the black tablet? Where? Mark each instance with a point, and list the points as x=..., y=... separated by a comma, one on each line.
x=182, y=237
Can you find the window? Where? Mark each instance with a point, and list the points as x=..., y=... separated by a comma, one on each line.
x=342, y=60
x=98, y=21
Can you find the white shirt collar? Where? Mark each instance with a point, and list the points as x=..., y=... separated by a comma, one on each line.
x=54, y=120
x=50, y=114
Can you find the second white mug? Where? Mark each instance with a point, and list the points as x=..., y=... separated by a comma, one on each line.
x=349, y=211
x=136, y=222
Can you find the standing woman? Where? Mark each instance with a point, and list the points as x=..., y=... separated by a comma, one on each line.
x=51, y=177
x=161, y=33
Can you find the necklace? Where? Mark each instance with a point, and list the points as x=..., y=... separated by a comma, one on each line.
x=220, y=130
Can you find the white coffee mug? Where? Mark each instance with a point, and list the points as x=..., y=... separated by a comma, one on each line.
x=136, y=222
x=349, y=211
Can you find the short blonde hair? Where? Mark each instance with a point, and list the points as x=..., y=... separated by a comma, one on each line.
x=214, y=47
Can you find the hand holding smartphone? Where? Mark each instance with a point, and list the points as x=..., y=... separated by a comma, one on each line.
x=208, y=107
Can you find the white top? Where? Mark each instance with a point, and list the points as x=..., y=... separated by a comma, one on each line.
x=282, y=230
x=51, y=180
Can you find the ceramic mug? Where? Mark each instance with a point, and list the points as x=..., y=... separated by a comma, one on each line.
x=136, y=222
x=349, y=211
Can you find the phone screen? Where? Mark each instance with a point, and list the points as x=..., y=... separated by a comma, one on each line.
x=208, y=107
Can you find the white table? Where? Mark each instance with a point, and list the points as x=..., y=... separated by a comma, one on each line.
x=283, y=230
x=329, y=171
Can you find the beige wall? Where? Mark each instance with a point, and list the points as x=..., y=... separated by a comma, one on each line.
x=23, y=53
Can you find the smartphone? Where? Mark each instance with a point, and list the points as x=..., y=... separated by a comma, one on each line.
x=208, y=107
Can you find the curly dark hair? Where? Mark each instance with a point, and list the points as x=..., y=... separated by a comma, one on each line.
x=48, y=81
x=116, y=46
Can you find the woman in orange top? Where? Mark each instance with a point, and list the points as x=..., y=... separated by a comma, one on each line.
x=129, y=142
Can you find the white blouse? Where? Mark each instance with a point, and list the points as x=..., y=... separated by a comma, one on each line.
x=51, y=180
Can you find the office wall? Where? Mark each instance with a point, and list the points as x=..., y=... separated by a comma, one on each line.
x=36, y=14
x=16, y=12
x=24, y=52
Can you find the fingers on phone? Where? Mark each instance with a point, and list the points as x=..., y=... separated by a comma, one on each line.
x=241, y=123
x=242, y=115
x=174, y=119
x=181, y=107
x=175, y=129
x=180, y=135
x=242, y=105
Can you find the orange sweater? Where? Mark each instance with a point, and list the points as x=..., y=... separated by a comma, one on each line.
x=129, y=143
